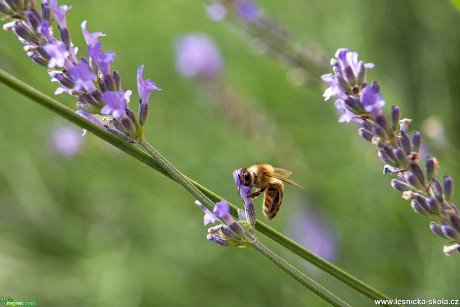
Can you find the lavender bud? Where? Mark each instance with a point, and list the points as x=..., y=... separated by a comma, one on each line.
x=109, y=82
x=413, y=181
x=228, y=232
x=450, y=232
x=117, y=79
x=24, y=31
x=389, y=169
x=34, y=56
x=378, y=130
x=350, y=76
x=46, y=11
x=455, y=222
x=361, y=73
x=404, y=142
x=436, y=229
x=129, y=125
x=238, y=230
x=65, y=37
x=416, y=141
x=366, y=134
x=119, y=126
x=217, y=239
x=401, y=186
x=382, y=122
x=436, y=189
x=447, y=184
x=417, y=171
x=15, y=5
x=34, y=18
x=143, y=113
x=394, y=118
x=344, y=84
x=5, y=9
x=386, y=159
x=119, y=134
x=433, y=205
x=417, y=208
x=401, y=157
x=366, y=125
x=430, y=168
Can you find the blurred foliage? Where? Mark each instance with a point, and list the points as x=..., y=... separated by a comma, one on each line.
x=100, y=228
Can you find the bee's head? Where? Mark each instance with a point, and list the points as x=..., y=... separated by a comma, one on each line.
x=245, y=176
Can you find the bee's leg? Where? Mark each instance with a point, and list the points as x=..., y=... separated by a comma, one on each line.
x=258, y=192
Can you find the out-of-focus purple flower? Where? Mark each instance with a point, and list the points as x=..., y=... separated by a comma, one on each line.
x=58, y=54
x=115, y=103
x=371, y=97
x=66, y=140
x=145, y=87
x=313, y=232
x=102, y=59
x=197, y=55
x=334, y=89
x=216, y=11
x=83, y=77
x=90, y=38
x=247, y=10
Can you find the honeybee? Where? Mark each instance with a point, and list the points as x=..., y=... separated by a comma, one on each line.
x=268, y=180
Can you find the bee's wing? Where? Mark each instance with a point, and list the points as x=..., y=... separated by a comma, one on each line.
x=282, y=174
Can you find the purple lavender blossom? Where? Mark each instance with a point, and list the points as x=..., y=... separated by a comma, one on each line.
x=90, y=38
x=209, y=217
x=58, y=54
x=59, y=13
x=244, y=191
x=102, y=59
x=66, y=140
x=83, y=77
x=371, y=97
x=145, y=87
x=347, y=115
x=115, y=103
x=197, y=55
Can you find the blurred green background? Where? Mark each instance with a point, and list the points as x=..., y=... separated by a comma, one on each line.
x=100, y=228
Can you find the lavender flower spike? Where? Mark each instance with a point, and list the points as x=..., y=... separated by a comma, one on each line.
x=362, y=102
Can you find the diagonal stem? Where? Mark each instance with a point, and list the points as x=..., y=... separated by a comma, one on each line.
x=143, y=157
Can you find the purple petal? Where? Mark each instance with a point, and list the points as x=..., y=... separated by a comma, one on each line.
x=371, y=97
x=102, y=59
x=58, y=54
x=89, y=117
x=115, y=103
x=145, y=87
x=82, y=76
x=59, y=13
x=222, y=210
x=209, y=217
x=90, y=38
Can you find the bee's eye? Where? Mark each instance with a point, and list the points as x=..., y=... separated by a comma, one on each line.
x=247, y=177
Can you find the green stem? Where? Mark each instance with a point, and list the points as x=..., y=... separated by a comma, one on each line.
x=297, y=275
x=143, y=157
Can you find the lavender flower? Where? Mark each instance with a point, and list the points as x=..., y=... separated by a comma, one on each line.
x=230, y=233
x=197, y=55
x=399, y=150
x=244, y=191
x=98, y=89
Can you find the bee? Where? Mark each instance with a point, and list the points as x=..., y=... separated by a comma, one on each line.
x=268, y=180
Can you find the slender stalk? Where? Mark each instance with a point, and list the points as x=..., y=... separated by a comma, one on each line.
x=143, y=157
x=297, y=275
